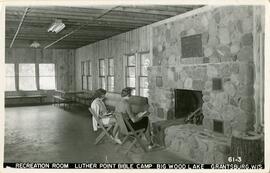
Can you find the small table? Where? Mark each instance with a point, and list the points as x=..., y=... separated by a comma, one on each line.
x=66, y=97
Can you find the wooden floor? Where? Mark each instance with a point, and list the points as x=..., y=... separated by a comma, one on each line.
x=52, y=134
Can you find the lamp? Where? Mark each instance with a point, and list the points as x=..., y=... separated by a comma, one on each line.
x=57, y=26
x=35, y=44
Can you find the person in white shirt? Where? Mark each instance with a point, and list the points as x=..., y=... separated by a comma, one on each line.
x=101, y=111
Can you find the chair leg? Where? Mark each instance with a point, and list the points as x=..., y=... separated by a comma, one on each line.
x=123, y=142
x=130, y=146
x=100, y=136
x=138, y=136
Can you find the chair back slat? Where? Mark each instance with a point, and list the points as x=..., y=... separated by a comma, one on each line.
x=121, y=123
x=94, y=115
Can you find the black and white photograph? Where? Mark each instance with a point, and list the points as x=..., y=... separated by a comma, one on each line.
x=134, y=86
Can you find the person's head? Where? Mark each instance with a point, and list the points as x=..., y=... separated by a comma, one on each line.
x=100, y=93
x=126, y=92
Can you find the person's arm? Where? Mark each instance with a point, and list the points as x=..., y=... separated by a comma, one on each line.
x=131, y=115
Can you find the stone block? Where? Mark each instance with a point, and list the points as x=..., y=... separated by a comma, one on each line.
x=160, y=113
x=198, y=84
x=212, y=71
x=188, y=83
x=229, y=88
x=247, y=39
x=247, y=104
x=206, y=60
x=247, y=25
x=235, y=47
x=217, y=16
x=208, y=52
x=246, y=73
x=208, y=124
x=224, y=36
x=245, y=54
x=159, y=82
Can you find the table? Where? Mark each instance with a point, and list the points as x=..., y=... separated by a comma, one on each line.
x=65, y=97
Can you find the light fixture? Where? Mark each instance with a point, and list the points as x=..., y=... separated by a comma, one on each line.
x=56, y=26
x=35, y=44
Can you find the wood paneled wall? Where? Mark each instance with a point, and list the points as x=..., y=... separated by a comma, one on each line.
x=63, y=59
x=116, y=47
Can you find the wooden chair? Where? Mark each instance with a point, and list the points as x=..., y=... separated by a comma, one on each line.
x=105, y=128
x=135, y=135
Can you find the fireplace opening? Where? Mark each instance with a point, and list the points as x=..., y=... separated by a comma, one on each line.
x=187, y=102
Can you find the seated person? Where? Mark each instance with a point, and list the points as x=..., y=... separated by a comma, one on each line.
x=138, y=121
x=101, y=111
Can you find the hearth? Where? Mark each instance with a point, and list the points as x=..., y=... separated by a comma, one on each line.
x=187, y=102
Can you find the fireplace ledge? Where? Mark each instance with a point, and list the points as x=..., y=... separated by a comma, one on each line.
x=196, y=143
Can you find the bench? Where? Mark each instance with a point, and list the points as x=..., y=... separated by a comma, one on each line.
x=40, y=97
x=58, y=100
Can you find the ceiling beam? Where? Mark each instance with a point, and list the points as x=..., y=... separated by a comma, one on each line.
x=19, y=27
x=98, y=17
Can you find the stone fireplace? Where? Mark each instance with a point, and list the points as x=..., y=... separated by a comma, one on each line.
x=219, y=79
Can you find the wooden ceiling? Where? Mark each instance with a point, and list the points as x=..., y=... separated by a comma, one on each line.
x=84, y=25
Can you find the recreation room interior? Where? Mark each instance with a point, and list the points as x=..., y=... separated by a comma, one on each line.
x=197, y=69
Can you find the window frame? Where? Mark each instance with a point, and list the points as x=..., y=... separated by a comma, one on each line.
x=137, y=66
x=140, y=72
x=39, y=87
x=89, y=75
x=109, y=75
x=127, y=66
x=101, y=77
x=36, y=73
x=15, y=76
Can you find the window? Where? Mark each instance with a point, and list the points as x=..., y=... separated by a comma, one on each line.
x=102, y=73
x=83, y=72
x=47, y=76
x=27, y=77
x=10, y=77
x=131, y=73
x=144, y=64
x=110, y=77
x=136, y=73
x=89, y=75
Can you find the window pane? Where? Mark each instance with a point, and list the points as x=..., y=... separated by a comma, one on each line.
x=131, y=71
x=10, y=70
x=110, y=83
x=131, y=82
x=85, y=68
x=131, y=60
x=10, y=84
x=145, y=59
x=10, y=77
x=27, y=70
x=144, y=92
x=101, y=67
x=84, y=83
x=47, y=82
x=82, y=68
x=111, y=67
x=144, y=71
x=102, y=82
x=89, y=68
x=89, y=82
x=143, y=82
x=133, y=92
x=46, y=70
x=27, y=83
